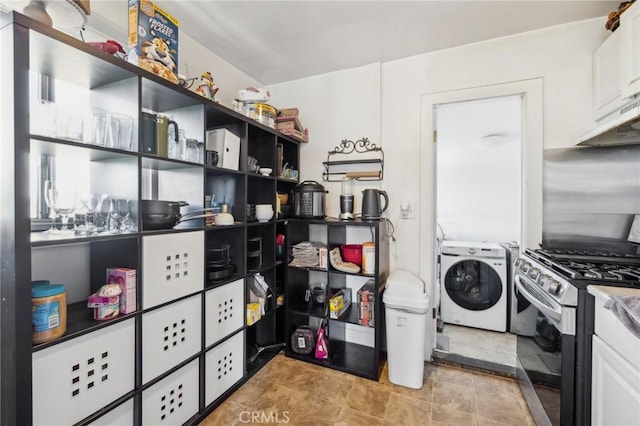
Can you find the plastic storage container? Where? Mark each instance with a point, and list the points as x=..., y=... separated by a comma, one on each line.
x=406, y=307
x=48, y=312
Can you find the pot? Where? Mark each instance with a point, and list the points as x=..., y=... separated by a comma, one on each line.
x=158, y=207
x=154, y=219
x=309, y=200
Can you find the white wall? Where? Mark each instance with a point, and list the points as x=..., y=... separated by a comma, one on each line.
x=334, y=106
x=560, y=55
x=110, y=18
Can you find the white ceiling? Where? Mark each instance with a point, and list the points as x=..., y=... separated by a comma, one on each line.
x=275, y=41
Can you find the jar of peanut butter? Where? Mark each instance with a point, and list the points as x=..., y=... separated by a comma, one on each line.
x=48, y=312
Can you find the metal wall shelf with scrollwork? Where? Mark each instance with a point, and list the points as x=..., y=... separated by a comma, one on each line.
x=365, y=169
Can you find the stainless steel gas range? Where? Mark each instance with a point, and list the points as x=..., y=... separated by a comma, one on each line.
x=554, y=365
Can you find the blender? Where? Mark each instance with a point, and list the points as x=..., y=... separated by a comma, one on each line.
x=346, y=199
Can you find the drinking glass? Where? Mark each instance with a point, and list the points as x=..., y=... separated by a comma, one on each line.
x=120, y=219
x=119, y=131
x=101, y=214
x=63, y=201
x=52, y=211
x=90, y=203
x=99, y=129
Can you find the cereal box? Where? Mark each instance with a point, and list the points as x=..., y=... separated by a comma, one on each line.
x=153, y=39
x=126, y=279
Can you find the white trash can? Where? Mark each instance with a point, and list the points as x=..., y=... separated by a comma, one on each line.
x=406, y=308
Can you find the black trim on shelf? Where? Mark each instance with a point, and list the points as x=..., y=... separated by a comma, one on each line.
x=261, y=269
x=309, y=358
x=352, y=358
x=80, y=322
x=107, y=408
x=350, y=316
x=171, y=231
x=47, y=144
x=264, y=317
x=228, y=280
x=309, y=268
x=156, y=162
x=224, y=339
x=257, y=223
x=170, y=371
x=221, y=227
x=309, y=309
x=80, y=239
x=222, y=170
x=172, y=301
x=263, y=359
x=359, y=274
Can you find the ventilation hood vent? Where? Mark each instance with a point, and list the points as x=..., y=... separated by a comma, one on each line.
x=623, y=129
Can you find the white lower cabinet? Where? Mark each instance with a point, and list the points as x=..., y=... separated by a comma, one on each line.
x=122, y=415
x=224, y=366
x=170, y=335
x=224, y=308
x=78, y=377
x=615, y=388
x=174, y=399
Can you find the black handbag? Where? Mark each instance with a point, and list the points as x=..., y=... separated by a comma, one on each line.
x=303, y=340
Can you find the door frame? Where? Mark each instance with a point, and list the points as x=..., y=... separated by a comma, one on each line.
x=531, y=182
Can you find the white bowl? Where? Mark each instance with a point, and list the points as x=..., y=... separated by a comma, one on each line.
x=264, y=215
x=265, y=171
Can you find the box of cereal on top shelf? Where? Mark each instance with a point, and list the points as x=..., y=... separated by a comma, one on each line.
x=153, y=39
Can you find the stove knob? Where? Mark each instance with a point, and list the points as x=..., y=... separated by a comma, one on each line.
x=554, y=287
x=526, y=267
x=518, y=262
x=534, y=273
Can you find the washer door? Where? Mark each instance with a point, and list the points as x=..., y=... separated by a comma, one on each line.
x=473, y=285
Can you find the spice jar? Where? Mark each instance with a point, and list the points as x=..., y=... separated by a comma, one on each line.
x=48, y=312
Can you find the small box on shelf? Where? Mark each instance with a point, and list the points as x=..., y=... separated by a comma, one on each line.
x=126, y=279
x=339, y=303
x=366, y=304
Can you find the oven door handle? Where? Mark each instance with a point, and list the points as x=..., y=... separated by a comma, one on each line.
x=547, y=311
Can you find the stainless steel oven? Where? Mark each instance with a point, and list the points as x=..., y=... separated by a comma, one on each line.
x=554, y=365
x=546, y=360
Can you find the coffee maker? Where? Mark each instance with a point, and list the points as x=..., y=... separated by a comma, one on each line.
x=346, y=199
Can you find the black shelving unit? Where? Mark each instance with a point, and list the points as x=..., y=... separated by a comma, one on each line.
x=364, y=359
x=165, y=315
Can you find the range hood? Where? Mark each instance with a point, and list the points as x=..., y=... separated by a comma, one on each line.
x=622, y=129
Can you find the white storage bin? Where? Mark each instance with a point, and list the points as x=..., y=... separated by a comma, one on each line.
x=122, y=415
x=174, y=399
x=170, y=335
x=224, y=366
x=76, y=378
x=172, y=265
x=224, y=311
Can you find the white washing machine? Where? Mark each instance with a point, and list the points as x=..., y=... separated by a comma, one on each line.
x=473, y=285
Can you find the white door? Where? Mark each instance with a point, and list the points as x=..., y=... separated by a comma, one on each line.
x=531, y=146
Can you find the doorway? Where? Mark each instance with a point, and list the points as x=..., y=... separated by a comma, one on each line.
x=481, y=162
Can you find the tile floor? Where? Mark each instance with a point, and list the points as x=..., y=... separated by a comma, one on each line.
x=485, y=345
x=288, y=391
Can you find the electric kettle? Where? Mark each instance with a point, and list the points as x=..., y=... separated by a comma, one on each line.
x=371, y=209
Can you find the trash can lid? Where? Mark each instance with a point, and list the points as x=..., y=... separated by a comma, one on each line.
x=406, y=291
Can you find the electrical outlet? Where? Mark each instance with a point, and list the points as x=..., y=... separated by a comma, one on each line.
x=406, y=210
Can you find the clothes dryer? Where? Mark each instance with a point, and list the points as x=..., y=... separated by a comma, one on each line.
x=473, y=282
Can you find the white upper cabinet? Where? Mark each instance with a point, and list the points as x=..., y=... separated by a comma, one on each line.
x=630, y=49
x=607, y=76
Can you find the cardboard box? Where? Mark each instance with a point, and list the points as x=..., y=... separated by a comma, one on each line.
x=153, y=39
x=339, y=303
x=126, y=279
x=366, y=304
x=288, y=113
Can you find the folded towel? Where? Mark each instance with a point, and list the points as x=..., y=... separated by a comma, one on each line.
x=627, y=309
